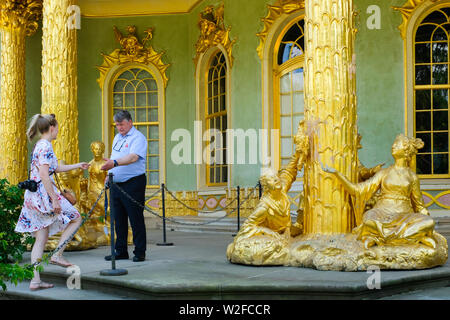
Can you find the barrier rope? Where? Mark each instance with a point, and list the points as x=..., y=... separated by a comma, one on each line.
x=197, y=210
x=145, y=207
x=39, y=261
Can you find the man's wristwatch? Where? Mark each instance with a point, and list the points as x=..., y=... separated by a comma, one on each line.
x=115, y=163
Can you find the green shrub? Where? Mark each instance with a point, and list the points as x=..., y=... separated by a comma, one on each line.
x=12, y=244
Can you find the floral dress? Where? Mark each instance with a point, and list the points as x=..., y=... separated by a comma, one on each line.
x=37, y=211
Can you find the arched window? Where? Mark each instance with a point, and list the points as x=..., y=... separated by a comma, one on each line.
x=431, y=86
x=216, y=119
x=136, y=91
x=288, y=86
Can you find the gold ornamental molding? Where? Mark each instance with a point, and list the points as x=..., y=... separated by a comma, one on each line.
x=278, y=9
x=213, y=32
x=132, y=50
x=18, y=14
x=407, y=11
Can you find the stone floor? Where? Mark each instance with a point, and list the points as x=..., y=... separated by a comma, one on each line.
x=195, y=267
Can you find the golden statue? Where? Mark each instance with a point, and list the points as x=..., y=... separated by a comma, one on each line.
x=399, y=215
x=95, y=186
x=264, y=237
x=397, y=233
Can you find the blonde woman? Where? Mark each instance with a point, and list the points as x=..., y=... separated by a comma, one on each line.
x=46, y=212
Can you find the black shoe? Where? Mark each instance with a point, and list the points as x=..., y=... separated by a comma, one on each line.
x=138, y=259
x=118, y=257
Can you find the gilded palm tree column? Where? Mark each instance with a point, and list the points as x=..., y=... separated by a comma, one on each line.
x=330, y=99
x=17, y=20
x=59, y=76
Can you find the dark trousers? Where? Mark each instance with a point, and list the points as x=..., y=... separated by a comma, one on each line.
x=125, y=208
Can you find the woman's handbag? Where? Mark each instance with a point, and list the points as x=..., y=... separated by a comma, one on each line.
x=65, y=193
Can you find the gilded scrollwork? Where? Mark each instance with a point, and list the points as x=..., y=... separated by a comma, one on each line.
x=213, y=32
x=132, y=50
x=274, y=12
x=407, y=11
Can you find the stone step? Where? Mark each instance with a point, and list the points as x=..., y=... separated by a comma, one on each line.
x=195, y=267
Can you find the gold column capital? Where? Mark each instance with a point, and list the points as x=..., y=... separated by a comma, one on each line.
x=24, y=14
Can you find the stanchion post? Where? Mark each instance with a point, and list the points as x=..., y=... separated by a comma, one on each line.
x=163, y=200
x=238, y=195
x=260, y=189
x=113, y=271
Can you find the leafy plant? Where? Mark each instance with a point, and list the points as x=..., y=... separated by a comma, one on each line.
x=12, y=244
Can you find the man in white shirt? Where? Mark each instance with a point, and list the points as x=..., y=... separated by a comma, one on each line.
x=127, y=164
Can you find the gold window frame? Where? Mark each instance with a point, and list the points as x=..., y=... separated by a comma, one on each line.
x=159, y=123
x=431, y=87
x=278, y=72
x=215, y=115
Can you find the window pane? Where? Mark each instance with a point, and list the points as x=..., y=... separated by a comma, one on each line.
x=153, y=99
x=439, y=34
x=440, y=99
x=297, y=79
x=286, y=126
x=436, y=17
x=118, y=101
x=440, y=142
x=153, y=114
x=426, y=138
x=285, y=83
x=298, y=102
x=424, y=32
x=423, y=53
x=423, y=163
x=153, y=163
x=440, y=52
x=286, y=104
x=286, y=147
x=119, y=85
x=141, y=115
x=440, y=74
x=423, y=99
x=154, y=132
x=440, y=163
x=153, y=147
x=129, y=100
x=423, y=121
x=154, y=178
x=423, y=74
x=440, y=120
x=141, y=99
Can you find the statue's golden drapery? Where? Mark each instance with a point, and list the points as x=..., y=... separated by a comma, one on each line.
x=17, y=20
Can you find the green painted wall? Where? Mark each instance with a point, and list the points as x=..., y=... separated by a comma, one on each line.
x=96, y=36
x=380, y=87
x=379, y=58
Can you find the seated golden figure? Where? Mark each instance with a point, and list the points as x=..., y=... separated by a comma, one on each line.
x=399, y=215
x=263, y=238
